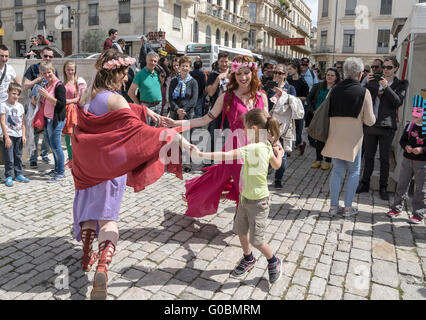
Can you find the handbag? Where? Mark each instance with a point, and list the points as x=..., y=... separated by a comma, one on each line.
x=320, y=123
x=39, y=122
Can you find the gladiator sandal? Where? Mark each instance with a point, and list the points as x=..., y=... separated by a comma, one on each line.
x=100, y=281
x=89, y=257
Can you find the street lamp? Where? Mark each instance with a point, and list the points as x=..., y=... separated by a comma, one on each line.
x=76, y=14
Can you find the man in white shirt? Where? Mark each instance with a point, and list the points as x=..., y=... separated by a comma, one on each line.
x=7, y=73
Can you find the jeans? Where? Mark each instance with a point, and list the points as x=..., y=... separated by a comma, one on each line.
x=383, y=137
x=280, y=172
x=299, y=130
x=44, y=146
x=337, y=173
x=13, y=157
x=199, y=108
x=54, y=135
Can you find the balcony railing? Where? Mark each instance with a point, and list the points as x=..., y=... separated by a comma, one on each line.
x=218, y=12
x=278, y=6
x=19, y=27
x=304, y=29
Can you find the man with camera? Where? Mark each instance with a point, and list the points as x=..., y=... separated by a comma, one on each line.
x=388, y=94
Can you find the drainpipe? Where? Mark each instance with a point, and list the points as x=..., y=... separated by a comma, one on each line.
x=78, y=26
x=144, y=16
x=335, y=31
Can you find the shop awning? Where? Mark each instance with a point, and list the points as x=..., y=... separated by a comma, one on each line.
x=175, y=45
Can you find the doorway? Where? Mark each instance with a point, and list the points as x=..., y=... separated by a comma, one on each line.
x=66, y=38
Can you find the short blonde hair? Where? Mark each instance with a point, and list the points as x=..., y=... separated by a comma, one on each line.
x=46, y=66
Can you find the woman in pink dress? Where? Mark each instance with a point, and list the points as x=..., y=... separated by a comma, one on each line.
x=204, y=193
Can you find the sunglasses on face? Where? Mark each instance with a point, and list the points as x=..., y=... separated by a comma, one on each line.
x=388, y=67
x=47, y=56
x=279, y=73
x=375, y=67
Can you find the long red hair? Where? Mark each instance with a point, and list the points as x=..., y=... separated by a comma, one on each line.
x=255, y=84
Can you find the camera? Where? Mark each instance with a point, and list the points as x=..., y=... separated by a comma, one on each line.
x=378, y=77
x=271, y=85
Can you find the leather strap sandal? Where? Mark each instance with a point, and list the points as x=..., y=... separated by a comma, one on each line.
x=100, y=281
x=89, y=257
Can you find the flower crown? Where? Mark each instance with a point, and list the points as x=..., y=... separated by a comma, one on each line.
x=235, y=66
x=115, y=64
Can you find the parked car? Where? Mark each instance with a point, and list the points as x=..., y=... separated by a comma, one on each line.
x=84, y=55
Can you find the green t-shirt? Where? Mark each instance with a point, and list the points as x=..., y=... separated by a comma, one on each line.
x=254, y=173
x=149, y=85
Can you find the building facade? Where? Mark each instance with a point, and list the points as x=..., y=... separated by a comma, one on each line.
x=357, y=28
x=75, y=25
x=272, y=19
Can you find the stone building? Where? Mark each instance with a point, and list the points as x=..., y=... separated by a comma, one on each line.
x=75, y=25
x=360, y=28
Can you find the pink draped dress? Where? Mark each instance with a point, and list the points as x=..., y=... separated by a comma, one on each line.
x=204, y=192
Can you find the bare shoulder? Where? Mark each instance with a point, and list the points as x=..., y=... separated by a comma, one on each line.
x=116, y=102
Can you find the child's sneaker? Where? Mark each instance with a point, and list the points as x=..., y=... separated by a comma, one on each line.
x=21, y=178
x=351, y=212
x=9, y=182
x=393, y=213
x=243, y=267
x=415, y=220
x=274, y=270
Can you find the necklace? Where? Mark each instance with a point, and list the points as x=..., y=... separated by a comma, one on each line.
x=248, y=103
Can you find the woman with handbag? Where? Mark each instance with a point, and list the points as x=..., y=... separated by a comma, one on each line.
x=75, y=87
x=315, y=98
x=54, y=102
x=351, y=106
x=302, y=91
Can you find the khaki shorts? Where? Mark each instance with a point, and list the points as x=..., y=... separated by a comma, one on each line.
x=251, y=219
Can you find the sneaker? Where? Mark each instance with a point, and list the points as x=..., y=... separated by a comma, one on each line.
x=415, y=220
x=393, y=213
x=278, y=184
x=9, y=182
x=33, y=164
x=51, y=173
x=351, y=212
x=56, y=178
x=21, y=178
x=46, y=160
x=274, y=270
x=316, y=165
x=333, y=212
x=243, y=267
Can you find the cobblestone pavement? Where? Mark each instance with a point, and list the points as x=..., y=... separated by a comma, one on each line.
x=164, y=255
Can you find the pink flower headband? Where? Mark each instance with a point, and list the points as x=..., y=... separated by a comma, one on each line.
x=115, y=64
x=235, y=66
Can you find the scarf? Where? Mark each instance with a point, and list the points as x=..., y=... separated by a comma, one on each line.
x=117, y=143
x=347, y=99
x=180, y=90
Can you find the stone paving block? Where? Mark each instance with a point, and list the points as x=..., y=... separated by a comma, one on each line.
x=337, y=281
x=242, y=293
x=333, y=293
x=379, y=292
x=312, y=251
x=385, y=273
x=359, y=254
x=339, y=268
x=384, y=251
x=203, y=288
x=358, y=284
x=349, y=296
x=296, y=293
x=308, y=263
x=302, y=277
x=410, y=268
x=154, y=280
x=341, y=256
x=322, y=270
x=136, y=293
x=317, y=286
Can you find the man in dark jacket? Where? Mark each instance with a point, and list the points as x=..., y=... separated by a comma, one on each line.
x=388, y=94
x=143, y=53
x=199, y=75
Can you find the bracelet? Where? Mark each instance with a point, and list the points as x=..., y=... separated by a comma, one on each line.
x=211, y=115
